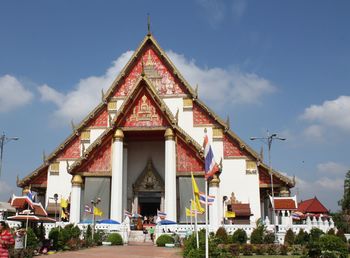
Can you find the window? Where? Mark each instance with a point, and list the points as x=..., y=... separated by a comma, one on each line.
x=55, y=169
x=251, y=168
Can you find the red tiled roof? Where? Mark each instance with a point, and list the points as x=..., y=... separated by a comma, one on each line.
x=285, y=204
x=312, y=206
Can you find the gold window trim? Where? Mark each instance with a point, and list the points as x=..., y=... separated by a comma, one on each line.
x=85, y=135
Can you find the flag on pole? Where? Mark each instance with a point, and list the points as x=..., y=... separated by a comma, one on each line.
x=161, y=215
x=210, y=165
x=127, y=213
x=210, y=198
x=190, y=213
x=196, y=200
x=230, y=214
x=98, y=212
x=31, y=195
x=87, y=209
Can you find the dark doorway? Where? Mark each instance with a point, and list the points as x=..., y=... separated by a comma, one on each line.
x=149, y=203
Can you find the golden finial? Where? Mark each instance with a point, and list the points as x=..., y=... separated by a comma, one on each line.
x=228, y=121
x=148, y=25
x=102, y=95
x=196, y=91
x=177, y=115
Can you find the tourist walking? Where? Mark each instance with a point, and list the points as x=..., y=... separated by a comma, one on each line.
x=151, y=233
x=6, y=240
x=19, y=242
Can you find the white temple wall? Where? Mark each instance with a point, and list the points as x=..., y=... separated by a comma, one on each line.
x=138, y=155
x=60, y=184
x=245, y=187
x=95, y=133
x=174, y=104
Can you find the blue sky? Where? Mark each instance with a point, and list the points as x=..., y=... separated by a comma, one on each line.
x=282, y=66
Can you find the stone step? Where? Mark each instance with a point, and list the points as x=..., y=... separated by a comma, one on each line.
x=138, y=236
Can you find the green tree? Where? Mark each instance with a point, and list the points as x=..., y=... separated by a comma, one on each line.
x=345, y=201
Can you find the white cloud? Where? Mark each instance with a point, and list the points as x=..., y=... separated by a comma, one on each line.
x=328, y=190
x=214, y=11
x=12, y=94
x=332, y=168
x=86, y=94
x=332, y=113
x=224, y=86
x=314, y=133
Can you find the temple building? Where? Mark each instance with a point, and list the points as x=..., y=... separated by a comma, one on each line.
x=137, y=149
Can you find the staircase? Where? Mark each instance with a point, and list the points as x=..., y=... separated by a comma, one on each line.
x=137, y=236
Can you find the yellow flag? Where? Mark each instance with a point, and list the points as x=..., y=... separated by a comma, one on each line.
x=64, y=203
x=188, y=213
x=230, y=214
x=198, y=206
x=97, y=212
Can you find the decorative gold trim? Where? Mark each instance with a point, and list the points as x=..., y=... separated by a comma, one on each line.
x=118, y=135
x=77, y=180
x=85, y=135
x=188, y=173
x=218, y=133
x=215, y=182
x=169, y=134
x=187, y=103
x=55, y=167
x=54, y=173
x=97, y=174
x=237, y=157
x=112, y=106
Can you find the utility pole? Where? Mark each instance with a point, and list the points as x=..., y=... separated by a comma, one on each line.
x=3, y=140
x=268, y=140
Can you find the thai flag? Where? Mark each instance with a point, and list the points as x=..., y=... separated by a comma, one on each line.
x=127, y=213
x=31, y=195
x=160, y=214
x=211, y=198
x=88, y=209
x=210, y=165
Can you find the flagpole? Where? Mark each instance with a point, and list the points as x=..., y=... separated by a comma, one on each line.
x=206, y=221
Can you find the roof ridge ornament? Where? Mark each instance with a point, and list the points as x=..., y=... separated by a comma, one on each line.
x=148, y=25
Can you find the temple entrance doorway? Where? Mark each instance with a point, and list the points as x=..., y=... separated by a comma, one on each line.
x=148, y=193
x=149, y=203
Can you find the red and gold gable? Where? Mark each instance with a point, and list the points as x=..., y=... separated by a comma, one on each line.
x=186, y=159
x=144, y=113
x=100, y=159
x=231, y=149
x=101, y=120
x=201, y=117
x=265, y=179
x=72, y=150
x=155, y=70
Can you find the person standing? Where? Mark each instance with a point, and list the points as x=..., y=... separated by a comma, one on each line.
x=19, y=242
x=6, y=240
x=151, y=233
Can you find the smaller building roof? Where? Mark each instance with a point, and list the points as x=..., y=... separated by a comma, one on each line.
x=285, y=203
x=312, y=206
x=241, y=209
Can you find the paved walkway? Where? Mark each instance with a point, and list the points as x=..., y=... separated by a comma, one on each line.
x=133, y=250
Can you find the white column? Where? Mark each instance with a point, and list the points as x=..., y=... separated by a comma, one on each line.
x=214, y=209
x=75, y=199
x=117, y=176
x=125, y=179
x=170, y=175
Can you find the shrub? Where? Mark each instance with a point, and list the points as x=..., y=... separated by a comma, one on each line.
x=257, y=235
x=99, y=237
x=239, y=236
x=269, y=238
x=297, y=250
x=164, y=239
x=247, y=249
x=283, y=250
x=234, y=250
x=259, y=249
x=221, y=234
x=314, y=249
x=302, y=238
x=289, y=238
x=315, y=234
x=195, y=253
x=53, y=236
x=333, y=244
x=341, y=235
x=271, y=249
x=32, y=240
x=115, y=239
x=331, y=232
